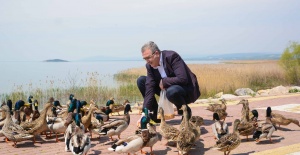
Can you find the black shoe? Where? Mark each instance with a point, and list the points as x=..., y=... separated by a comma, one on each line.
x=157, y=120
x=153, y=117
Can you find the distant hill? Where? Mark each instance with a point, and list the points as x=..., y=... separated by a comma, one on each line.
x=238, y=56
x=55, y=60
x=231, y=56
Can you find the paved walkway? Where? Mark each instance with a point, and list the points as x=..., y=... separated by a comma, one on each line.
x=284, y=137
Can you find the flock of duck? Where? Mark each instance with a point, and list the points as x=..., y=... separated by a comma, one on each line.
x=90, y=118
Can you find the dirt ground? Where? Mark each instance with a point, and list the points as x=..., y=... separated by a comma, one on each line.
x=285, y=140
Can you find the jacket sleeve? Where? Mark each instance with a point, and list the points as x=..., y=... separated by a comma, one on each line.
x=149, y=99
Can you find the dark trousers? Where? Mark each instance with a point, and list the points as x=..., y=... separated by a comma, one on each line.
x=175, y=94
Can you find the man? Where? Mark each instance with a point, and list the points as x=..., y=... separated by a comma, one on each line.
x=166, y=71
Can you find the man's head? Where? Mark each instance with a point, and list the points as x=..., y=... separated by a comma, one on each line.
x=151, y=54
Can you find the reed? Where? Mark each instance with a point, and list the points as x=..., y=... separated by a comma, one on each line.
x=213, y=78
x=227, y=76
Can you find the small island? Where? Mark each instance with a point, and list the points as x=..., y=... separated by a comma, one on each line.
x=55, y=60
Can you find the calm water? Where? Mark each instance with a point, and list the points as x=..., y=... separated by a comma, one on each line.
x=30, y=75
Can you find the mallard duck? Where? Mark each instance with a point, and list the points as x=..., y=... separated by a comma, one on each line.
x=245, y=110
x=187, y=135
x=265, y=129
x=12, y=131
x=3, y=114
x=80, y=142
x=9, y=104
x=213, y=107
x=169, y=132
x=57, y=126
x=118, y=108
x=246, y=127
x=154, y=137
x=219, y=128
x=196, y=122
x=39, y=125
x=115, y=127
x=86, y=120
x=230, y=141
x=132, y=143
x=222, y=113
x=36, y=113
x=281, y=120
x=71, y=130
x=253, y=115
x=28, y=108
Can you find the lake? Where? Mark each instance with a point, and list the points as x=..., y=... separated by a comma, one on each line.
x=29, y=75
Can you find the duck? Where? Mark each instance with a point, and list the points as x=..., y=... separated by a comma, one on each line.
x=213, y=107
x=131, y=144
x=187, y=135
x=116, y=127
x=72, y=129
x=36, y=113
x=265, y=129
x=246, y=127
x=229, y=142
x=28, y=108
x=167, y=131
x=80, y=143
x=154, y=138
x=56, y=125
x=222, y=113
x=3, y=114
x=281, y=120
x=12, y=131
x=219, y=128
x=9, y=104
x=40, y=124
x=86, y=120
x=196, y=122
x=245, y=110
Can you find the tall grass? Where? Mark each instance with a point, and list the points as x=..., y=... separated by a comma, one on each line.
x=212, y=78
x=227, y=77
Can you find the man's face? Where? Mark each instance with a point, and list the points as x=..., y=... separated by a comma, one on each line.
x=151, y=58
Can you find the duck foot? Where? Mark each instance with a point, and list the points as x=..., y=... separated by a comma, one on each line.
x=15, y=145
x=143, y=152
x=6, y=139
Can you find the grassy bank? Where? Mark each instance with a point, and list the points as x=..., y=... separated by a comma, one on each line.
x=226, y=77
x=213, y=78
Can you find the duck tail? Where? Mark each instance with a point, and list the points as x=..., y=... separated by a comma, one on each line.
x=119, y=148
x=295, y=122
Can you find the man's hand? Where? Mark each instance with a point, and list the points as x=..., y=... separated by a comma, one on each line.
x=161, y=85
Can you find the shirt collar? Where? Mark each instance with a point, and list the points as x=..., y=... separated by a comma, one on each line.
x=160, y=61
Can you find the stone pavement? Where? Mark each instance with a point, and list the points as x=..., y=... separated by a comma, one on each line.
x=284, y=136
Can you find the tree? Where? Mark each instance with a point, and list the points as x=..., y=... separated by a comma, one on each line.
x=290, y=61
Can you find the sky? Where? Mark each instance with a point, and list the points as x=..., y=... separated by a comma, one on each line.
x=35, y=30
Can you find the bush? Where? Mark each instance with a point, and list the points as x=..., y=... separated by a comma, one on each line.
x=290, y=60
